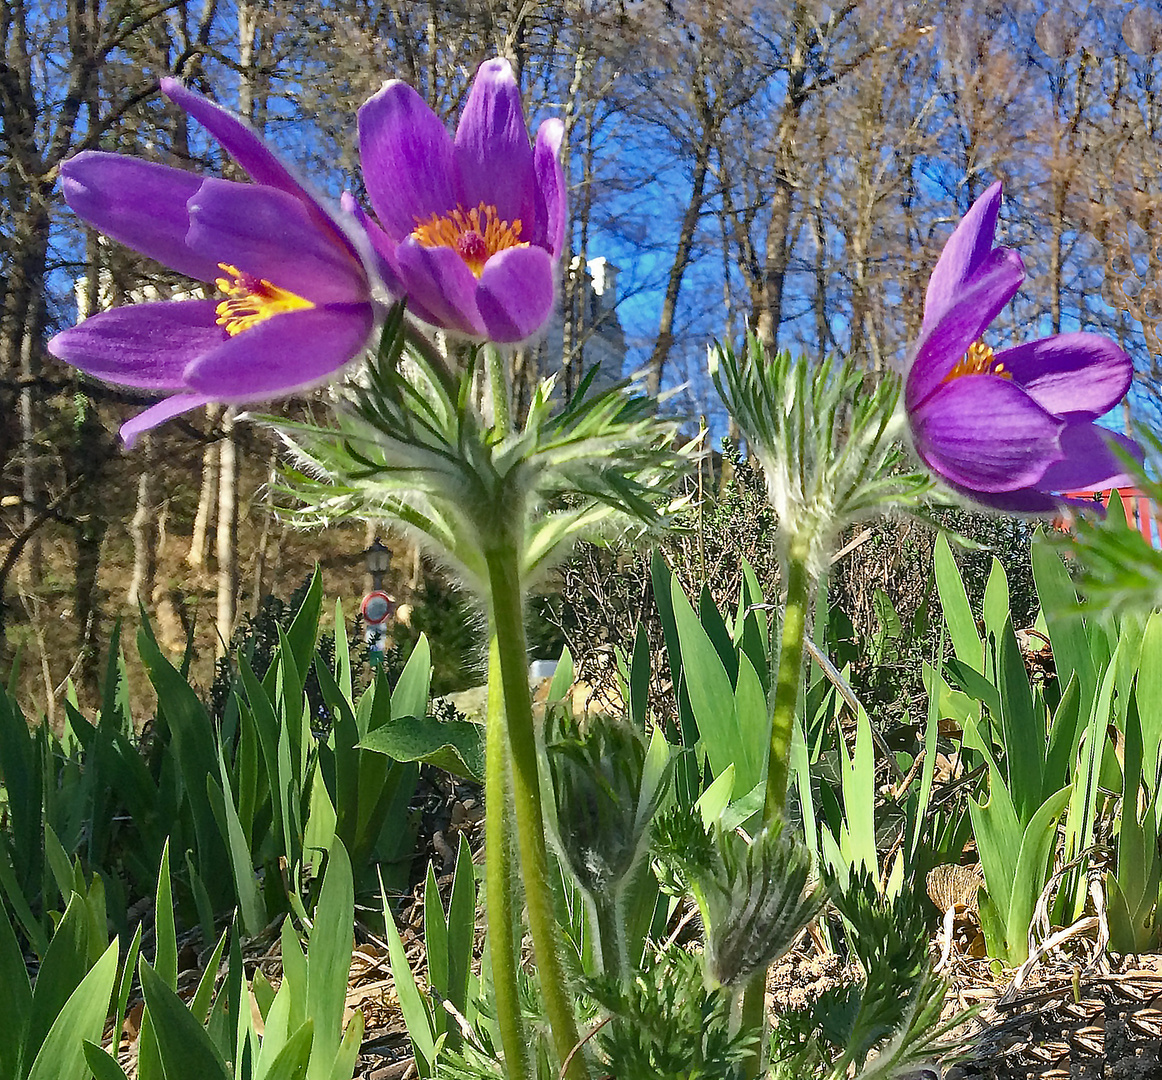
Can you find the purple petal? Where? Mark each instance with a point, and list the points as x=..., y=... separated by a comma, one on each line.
x=139, y=204
x=494, y=161
x=382, y=246
x=440, y=283
x=144, y=345
x=1091, y=462
x=239, y=140
x=406, y=154
x=247, y=148
x=387, y=265
x=991, y=288
x=966, y=250
x=159, y=414
x=549, y=228
x=271, y=235
x=1021, y=501
x=283, y=354
x=516, y=293
x=985, y=434
x=1075, y=376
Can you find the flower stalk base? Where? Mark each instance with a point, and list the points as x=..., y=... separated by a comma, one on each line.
x=787, y=680
x=498, y=877
x=786, y=701
x=507, y=618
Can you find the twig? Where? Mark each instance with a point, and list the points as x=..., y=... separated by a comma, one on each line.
x=848, y=695
x=573, y=1053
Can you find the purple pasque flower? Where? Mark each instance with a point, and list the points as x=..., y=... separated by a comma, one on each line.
x=471, y=227
x=299, y=289
x=1010, y=428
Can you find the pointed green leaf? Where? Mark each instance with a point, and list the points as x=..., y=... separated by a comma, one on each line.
x=329, y=959
x=61, y=971
x=15, y=997
x=995, y=607
x=1023, y=729
x=410, y=696
x=416, y=1016
x=1067, y=632
x=241, y=862
x=1032, y=872
x=293, y=1058
x=436, y=944
x=304, y=629
x=957, y=613
x=711, y=697
x=996, y=827
x=1149, y=695
x=101, y=1064
x=203, y=997
x=562, y=677
x=61, y=1055
x=461, y=935
x=165, y=957
x=716, y=797
x=348, y=1055
x=186, y=1050
x=342, y=653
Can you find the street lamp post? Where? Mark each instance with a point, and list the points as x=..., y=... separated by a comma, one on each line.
x=378, y=558
x=377, y=607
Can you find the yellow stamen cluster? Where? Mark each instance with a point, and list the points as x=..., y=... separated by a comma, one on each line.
x=979, y=360
x=476, y=234
x=252, y=300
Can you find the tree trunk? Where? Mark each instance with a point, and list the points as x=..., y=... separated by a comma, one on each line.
x=227, y=547
x=770, y=315
x=682, y=256
x=143, y=531
x=207, y=499
x=258, y=590
x=89, y=526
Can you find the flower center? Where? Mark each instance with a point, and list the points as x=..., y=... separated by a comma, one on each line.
x=475, y=235
x=252, y=300
x=979, y=360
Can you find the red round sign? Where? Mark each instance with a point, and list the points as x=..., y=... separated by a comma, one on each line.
x=377, y=607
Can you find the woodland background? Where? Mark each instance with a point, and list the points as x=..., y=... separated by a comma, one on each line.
x=791, y=169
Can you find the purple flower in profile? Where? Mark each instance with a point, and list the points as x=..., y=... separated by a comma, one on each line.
x=469, y=228
x=299, y=292
x=1011, y=428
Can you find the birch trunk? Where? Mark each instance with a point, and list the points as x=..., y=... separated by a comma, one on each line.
x=207, y=500
x=227, y=537
x=143, y=531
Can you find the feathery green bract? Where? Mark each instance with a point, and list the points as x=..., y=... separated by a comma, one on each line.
x=416, y=445
x=603, y=813
x=758, y=903
x=827, y=437
x=753, y=894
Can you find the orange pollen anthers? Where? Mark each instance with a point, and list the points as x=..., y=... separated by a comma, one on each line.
x=979, y=360
x=252, y=300
x=476, y=235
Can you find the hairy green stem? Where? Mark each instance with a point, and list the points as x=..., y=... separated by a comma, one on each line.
x=790, y=675
x=495, y=364
x=609, y=921
x=507, y=614
x=498, y=876
x=753, y=1017
x=786, y=702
